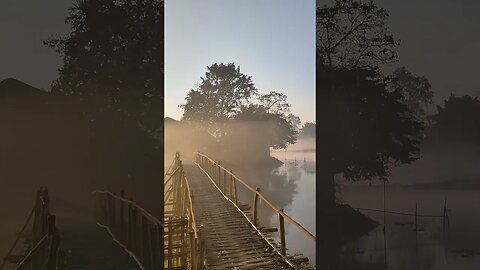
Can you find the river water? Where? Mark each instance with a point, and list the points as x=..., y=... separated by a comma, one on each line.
x=402, y=247
x=291, y=187
x=299, y=169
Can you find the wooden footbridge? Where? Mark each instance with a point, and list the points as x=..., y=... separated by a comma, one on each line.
x=205, y=226
x=208, y=227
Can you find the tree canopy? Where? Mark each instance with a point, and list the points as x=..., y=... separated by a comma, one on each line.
x=362, y=126
x=353, y=34
x=458, y=121
x=113, y=58
x=226, y=99
x=220, y=96
x=112, y=74
x=415, y=90
x=366, y=121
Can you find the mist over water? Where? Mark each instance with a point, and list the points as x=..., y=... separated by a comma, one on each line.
x=290, y=185
x=445, y=172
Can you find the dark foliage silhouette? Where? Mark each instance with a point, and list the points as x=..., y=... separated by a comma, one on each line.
x=415, y=90
x=362, y=128
x=227, y=104
x=457, y=122
x=366, y=121
x=112, y=74
x=113, y=58
x=354, y=34
x=219, y=97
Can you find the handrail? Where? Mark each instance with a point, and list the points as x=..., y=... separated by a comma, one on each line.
x=131, y=226
x=31, y=252
x=44, y=233
x=18, y=237
x=276, y=209
x=182, y=211
x=194, y=224
x=249, y=221
x=143, y=211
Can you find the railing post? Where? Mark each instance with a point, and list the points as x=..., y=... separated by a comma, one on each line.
x=122, y=195
x=145, y=243
x=224, y=185
x=135, y=237
x=154, y=247
x=160, y=244
x=170, y=243
x=184, y=195
x=183, y=240
x=61, y=260
x=129, y=227
x=193, y=253
x=235, y=197
x=255, y=203
x=53, y=242
x=201, y=256
x=218, y=173
x=114, y=210
x=416, y=219
x=230, y=190
x=281, y=222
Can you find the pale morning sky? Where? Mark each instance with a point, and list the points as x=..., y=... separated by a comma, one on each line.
x=271, y=40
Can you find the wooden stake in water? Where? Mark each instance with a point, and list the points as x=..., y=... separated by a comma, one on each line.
x=384, y=207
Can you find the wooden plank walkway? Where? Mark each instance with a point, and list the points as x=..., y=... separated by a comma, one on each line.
x=88, y=246
x=231, y=241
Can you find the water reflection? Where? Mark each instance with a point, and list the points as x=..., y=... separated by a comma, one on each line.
x=401, y=247
x=290, y=186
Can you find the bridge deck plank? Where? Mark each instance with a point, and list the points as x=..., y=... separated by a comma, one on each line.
x=231, y=242
x=89, y=246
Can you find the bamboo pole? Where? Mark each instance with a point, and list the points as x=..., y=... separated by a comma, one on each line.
x=193, y=261
x=129, y=227
x=224, y=184
x=170, y=243
x=231, y=187
x=144, y=241
x=283, y=249
x=183, y=232
x=61, y=263
x=218, y=172
x=255, y=206
x=416, y=218
x=272, y=206
x=122, y=206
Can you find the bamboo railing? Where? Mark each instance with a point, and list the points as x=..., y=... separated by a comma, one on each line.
x=131, y=226
x=184, y=244
x=227, y=183
x=43, y=253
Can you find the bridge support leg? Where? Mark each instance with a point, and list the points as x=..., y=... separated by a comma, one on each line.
x=283, y=249
x=235, y=197
x=255, y=206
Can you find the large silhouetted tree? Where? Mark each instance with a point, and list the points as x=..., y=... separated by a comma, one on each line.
x=364, y=123
x=113, y=58
x=226, y=104
x=353, y=33
x=112, y=72
x=219, y=97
